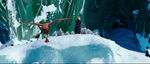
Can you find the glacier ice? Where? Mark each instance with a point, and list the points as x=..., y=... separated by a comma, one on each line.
x=44, y=12
x=148, y=6
x=81, y=11
x=12, y=10
x=143, y=41
x=76, y=48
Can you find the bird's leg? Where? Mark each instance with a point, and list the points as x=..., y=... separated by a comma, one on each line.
x=37, y=36
x=47, y=39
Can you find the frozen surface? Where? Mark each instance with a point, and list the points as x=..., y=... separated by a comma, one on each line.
x=70, y=49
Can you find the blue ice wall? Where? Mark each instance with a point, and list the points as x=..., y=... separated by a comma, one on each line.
x=4, y=33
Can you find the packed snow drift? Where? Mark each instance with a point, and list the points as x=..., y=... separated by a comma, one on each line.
x=75, y=48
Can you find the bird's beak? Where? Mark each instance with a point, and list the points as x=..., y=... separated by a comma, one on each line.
x=79, y=18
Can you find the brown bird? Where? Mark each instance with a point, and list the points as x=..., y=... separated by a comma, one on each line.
x=45, y=28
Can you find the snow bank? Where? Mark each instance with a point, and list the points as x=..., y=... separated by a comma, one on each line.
x=73, y=49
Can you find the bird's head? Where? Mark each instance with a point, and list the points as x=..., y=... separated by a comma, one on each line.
x=79, y=18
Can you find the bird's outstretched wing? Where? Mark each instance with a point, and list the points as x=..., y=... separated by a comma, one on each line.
x=33, y=24
x=58, y=20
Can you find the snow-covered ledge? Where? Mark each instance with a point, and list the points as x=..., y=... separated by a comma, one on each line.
x=79, y=48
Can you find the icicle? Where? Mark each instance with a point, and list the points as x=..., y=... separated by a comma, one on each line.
x=55, y=33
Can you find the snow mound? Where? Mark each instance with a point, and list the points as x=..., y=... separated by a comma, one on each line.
x=71, y=49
